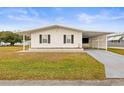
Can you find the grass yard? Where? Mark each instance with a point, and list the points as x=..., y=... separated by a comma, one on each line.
x=115, y=50
x=48, y=66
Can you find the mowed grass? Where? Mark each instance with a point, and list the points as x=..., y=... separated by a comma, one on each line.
x=48, y=66
x=115, y=50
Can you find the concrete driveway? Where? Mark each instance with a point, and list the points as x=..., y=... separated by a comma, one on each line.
x=114, y=63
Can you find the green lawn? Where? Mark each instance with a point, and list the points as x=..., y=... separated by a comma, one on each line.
x=48, y=66
x=115, y=50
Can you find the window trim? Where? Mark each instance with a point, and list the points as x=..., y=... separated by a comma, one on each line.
x=49, y=39
x=41, y=38
x=71, y=38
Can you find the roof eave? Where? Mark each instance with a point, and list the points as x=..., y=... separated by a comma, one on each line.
x=55, y=26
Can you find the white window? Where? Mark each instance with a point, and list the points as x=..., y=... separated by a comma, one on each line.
x=44, y=38
x=68, y=38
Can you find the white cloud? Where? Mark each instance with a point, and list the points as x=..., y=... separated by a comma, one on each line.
x=27, y=18
x=83, y=17
x=23, y=14
x=29, y=21
x=20, y=14
x=103, y=16
x=21, y=18
x=8, y=11
x=60, y=19
x=29, y=15
x=58, y=9
x=33, y=12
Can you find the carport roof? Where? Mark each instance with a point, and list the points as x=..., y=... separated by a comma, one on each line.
x=85, y=33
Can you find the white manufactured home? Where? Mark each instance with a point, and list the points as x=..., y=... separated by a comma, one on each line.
x=116, y=40
x=63, y=37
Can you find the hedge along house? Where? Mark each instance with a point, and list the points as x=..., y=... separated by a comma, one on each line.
x=63, y=37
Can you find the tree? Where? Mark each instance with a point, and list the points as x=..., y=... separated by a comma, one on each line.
x=10, y=37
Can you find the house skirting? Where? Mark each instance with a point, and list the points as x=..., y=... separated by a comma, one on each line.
x=55, y=50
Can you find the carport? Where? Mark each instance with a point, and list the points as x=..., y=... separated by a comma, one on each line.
x=97, y=40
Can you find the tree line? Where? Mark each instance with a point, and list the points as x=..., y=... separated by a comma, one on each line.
x=10, y=37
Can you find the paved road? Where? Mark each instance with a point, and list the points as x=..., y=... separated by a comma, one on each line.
x=114, y=63
x=108, y=82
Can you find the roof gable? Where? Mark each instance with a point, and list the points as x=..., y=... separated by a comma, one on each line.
x=52, y=26
x=90, y=33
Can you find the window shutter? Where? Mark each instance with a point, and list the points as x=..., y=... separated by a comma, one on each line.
x=72, y=39
x=48, y=38
x=40, y=38
x=64, y=39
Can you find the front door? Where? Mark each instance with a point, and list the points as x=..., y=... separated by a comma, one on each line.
x=85, y=43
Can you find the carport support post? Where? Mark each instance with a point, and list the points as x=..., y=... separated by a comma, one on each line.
x=23, y=42
x=98, y=42
x=106, y=43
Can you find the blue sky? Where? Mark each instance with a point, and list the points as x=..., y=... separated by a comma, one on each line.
x=100, y=19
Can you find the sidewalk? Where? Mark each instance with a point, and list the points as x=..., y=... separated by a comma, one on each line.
x=108, y=82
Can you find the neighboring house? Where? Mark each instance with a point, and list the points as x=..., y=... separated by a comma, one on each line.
x=4, y=44
x=62, y=37
x=8, y=44
x=116, y=40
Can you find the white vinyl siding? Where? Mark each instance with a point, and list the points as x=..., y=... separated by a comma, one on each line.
x=57, y=38
x=99, y=42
